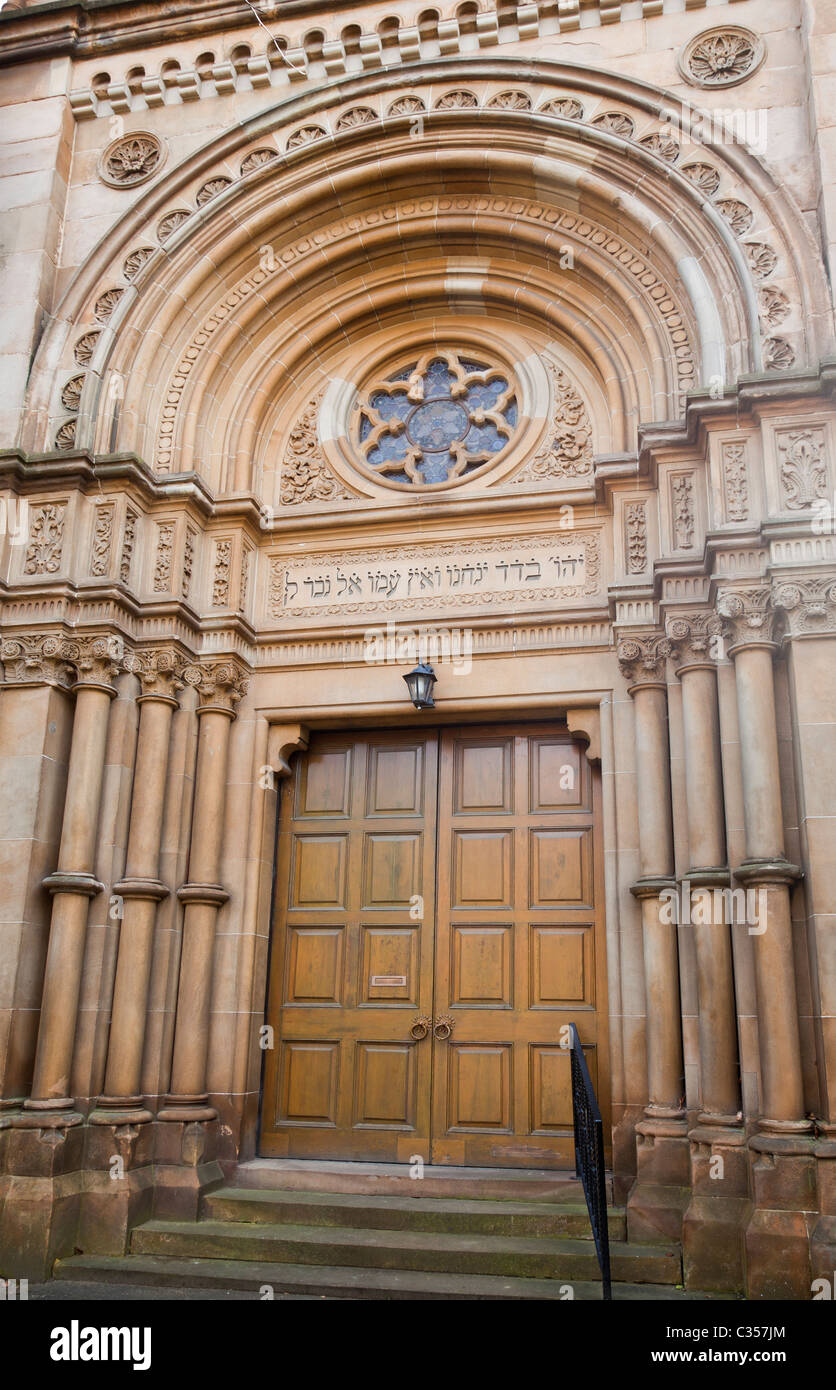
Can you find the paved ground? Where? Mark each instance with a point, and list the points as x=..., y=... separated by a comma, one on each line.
x=64, y=1291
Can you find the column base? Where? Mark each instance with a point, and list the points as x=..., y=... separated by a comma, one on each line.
x=661, y=1192
x=43, y=1115
x=714, y=1225
x=778, y=1235
x=120, y=1110
x=186, y=1109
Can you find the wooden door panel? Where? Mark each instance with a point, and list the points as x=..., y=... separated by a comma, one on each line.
x=315, y=971
x=389, y=965
x=320, y=864
x=352, y=951
x=519, y=953
x=481, y=966
x=393, y=869
x=483, y=868
x=561, y=868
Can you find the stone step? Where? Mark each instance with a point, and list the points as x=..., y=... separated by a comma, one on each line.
x=393, y=1180
x=545, y=1257
x=451, y=1215
x=325, y=1281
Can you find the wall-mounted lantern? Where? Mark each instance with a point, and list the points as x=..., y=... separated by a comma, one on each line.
x=420, y=684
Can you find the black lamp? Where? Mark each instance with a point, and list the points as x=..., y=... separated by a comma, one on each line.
x=420, y=684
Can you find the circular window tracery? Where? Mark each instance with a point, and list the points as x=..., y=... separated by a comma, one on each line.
x=436, y=420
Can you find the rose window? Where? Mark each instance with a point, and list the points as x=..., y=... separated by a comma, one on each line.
x=435, y=421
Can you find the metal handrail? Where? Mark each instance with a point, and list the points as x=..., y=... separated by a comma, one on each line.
x=589, y=1155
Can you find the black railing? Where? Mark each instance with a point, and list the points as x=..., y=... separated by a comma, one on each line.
x=589, y=1155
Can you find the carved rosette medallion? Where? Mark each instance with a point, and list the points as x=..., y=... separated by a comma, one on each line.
x=721, y=57
x=131, y=160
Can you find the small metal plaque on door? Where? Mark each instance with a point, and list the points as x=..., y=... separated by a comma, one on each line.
x=393, y=981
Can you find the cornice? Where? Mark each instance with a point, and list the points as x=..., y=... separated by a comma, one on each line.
x=86, y=28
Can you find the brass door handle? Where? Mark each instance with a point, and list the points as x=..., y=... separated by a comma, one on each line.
x=420, y=1028
x=443, y=1029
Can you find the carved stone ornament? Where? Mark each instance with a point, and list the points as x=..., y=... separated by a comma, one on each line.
x=617, y=122
x=738, y=215
x=778, y=355
x=735, y=481
x=65, y=435
x=127, y=546
x=165, y=551
x=567, y=452
x=357, y=116
x=255, y=159
x=774, y=306
x=809, y=603
x=406, y=106
x=46, y=538
x=36, y=658
x=102, y=540
x=704, y=177
x=131, y=160
x=220, y=581
x=642, y=658
x=567, y=107
x=220, y=684
x=158, y=669
x=695, y=636
x=85, y=347
x=802, y=467
x=511, y=101
x=761, y=257
x=211, y=189
x=305, y=135
x=721, y=57
x=749, y=615
x=71, y=394
x=457, y=101
x=635, y=537
x=171, y=222
x=663, y=146
x=682, y=495
x=306, y=475
x=136, y=260
x=106, y=303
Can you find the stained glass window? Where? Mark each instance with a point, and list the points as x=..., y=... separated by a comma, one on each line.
x=436, y=420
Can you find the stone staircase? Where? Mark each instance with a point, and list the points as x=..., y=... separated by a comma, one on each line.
x=370, y=1231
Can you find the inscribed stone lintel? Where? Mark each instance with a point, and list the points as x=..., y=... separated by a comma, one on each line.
x=429, y=580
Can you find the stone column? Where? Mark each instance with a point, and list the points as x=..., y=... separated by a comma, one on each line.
x=141, y=890
x=659, y=1196
x=777, y=1243
x=221, y=686
x=719, y=1174
x=96, y=660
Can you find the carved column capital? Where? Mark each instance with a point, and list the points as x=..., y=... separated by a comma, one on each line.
x=220, y=684
x=694, y=637
x=809, y=603
x=98, y=658
x=159, y=671
x=642, y=658
x=36, y=658
x=749, y=616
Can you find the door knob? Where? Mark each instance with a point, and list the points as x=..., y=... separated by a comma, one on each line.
x=443, y=1028
x=420, y=1028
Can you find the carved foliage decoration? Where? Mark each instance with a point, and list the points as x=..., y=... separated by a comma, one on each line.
x=456, y=101
x=721, y=57
x=694, y=636
x=220, y=581
x=165, y=552
x=71, y=394
x=406, y=106
x=568, y=107
x=735, y=481
x=635, y=537
x=357, y=116
x=682, y=495
x=221, y=684
x=778, y=355
x=46, y=538
x=65, y=436
x=738, y=215
x=802, y=468
x=211, y=189
x=127, y=546
x=188, y=559
x=704, y=177
x=102, y=540
x=567, y=452
x=171, y=222
x=131, y=160
x=136, y=260
x=663, y=146
x=511, y=101
x=305, y=135
x=256, y=158
x=85, y=347
x=305, y=475
x=618, y=122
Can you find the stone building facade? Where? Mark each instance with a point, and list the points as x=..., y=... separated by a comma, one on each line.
x=333, y=337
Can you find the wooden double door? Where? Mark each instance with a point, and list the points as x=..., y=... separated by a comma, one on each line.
x=437, y=924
